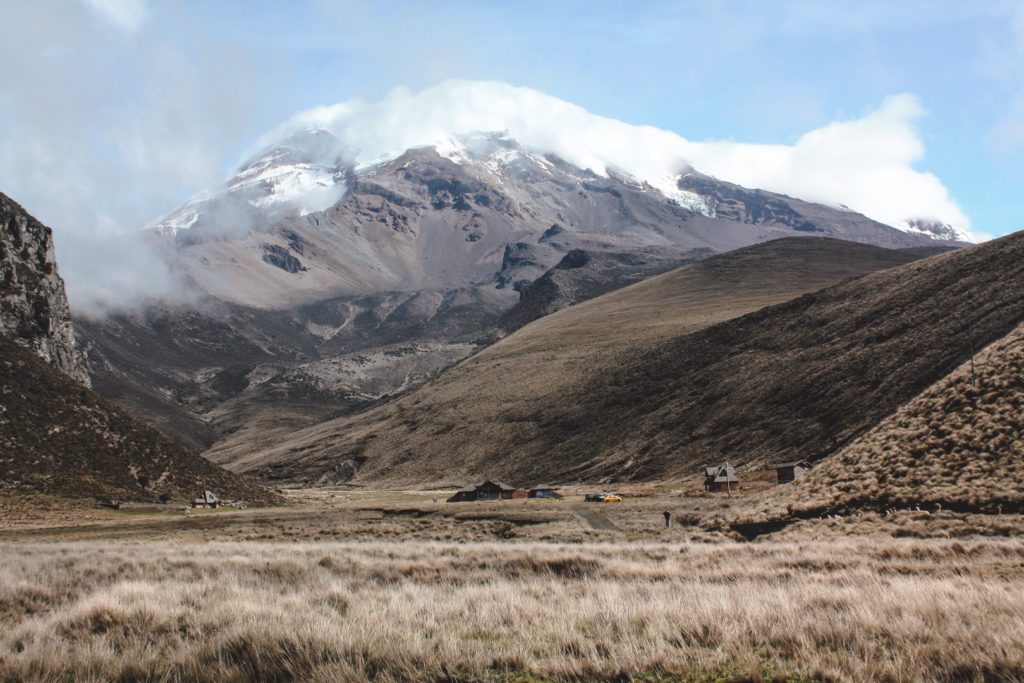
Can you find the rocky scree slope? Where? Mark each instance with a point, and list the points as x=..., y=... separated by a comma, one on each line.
x=33, y=305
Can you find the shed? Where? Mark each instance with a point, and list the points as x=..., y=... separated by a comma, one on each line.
x=720, y=478
x=543, y=492
x=487, y=490
x=790, y=471
x=207, y=500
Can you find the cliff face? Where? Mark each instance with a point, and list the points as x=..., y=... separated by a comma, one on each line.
x=33, y=306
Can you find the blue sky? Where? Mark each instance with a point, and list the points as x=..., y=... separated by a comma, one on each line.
x=127, y=107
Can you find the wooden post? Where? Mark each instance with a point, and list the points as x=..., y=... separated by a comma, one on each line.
x=974, y=377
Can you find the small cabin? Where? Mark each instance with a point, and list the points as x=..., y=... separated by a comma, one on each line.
x=543, y=492
x=207, y=500
x=791, y=471
x=487, y=490
x=720, y=478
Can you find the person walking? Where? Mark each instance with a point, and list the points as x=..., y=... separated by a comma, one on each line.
x=668, y=518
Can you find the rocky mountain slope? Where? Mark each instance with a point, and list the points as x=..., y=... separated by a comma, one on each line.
x=198, y=373
x=489, y=214
x=33, y=305
x=557, y=399
x=959, y=445
x=59, y=437
x=434, y=248
x=56, y=435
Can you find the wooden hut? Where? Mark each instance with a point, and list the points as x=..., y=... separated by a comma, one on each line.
x=543, y=492
x=487, y=490
x=720, y=478
x=207, y=500
x=791, y=471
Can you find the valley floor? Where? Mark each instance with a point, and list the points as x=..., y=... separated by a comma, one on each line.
x=353, y=585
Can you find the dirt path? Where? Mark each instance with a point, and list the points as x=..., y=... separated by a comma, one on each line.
x=594, y=518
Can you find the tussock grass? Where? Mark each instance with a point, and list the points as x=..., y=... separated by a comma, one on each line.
x=900, y=610
x=959, y=445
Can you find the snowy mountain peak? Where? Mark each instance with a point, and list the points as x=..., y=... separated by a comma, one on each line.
x=300, y=174
x=936, y=230
x=306, y=164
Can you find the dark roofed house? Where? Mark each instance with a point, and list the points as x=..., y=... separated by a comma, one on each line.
x=790, y=471
x=466, y=493
x=207, y=500
x=487, y=490
x=720, y=478
x=543, y=492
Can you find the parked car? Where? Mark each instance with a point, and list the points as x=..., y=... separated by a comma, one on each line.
x=602, y=498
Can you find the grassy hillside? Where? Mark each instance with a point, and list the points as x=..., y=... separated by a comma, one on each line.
x=583, y=275
x=518, y=409
x=797, y=380
x=958, y=446
x=58, y=437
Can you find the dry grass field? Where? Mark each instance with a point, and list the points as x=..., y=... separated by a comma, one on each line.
x=352, y=515
x=393, y=586
x=900, y=610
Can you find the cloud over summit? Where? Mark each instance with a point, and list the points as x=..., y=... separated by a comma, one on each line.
x=866, y=164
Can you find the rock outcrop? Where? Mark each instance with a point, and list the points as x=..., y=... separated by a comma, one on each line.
x=33, y=306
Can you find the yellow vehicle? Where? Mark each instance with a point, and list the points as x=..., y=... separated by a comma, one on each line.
x=602, y=498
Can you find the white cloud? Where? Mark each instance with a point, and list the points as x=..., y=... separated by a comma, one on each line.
x=111, y=274
x=98, y=135
x=866, y=164
x=126, y=15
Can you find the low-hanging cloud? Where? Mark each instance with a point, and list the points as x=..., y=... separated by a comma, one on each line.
x=118, y=274
x=106, y=113
x=866, y=164
x=113, y=111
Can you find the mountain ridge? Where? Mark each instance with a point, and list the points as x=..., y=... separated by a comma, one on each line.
x=459, y=119
x=427, y=221
x=797, y=379
x=57, y=436
x=505, y=405
x=420, y=250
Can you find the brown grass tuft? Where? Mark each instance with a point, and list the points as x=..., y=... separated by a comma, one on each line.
x=897, y=610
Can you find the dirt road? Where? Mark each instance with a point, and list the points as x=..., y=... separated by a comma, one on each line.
x=594, y=518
